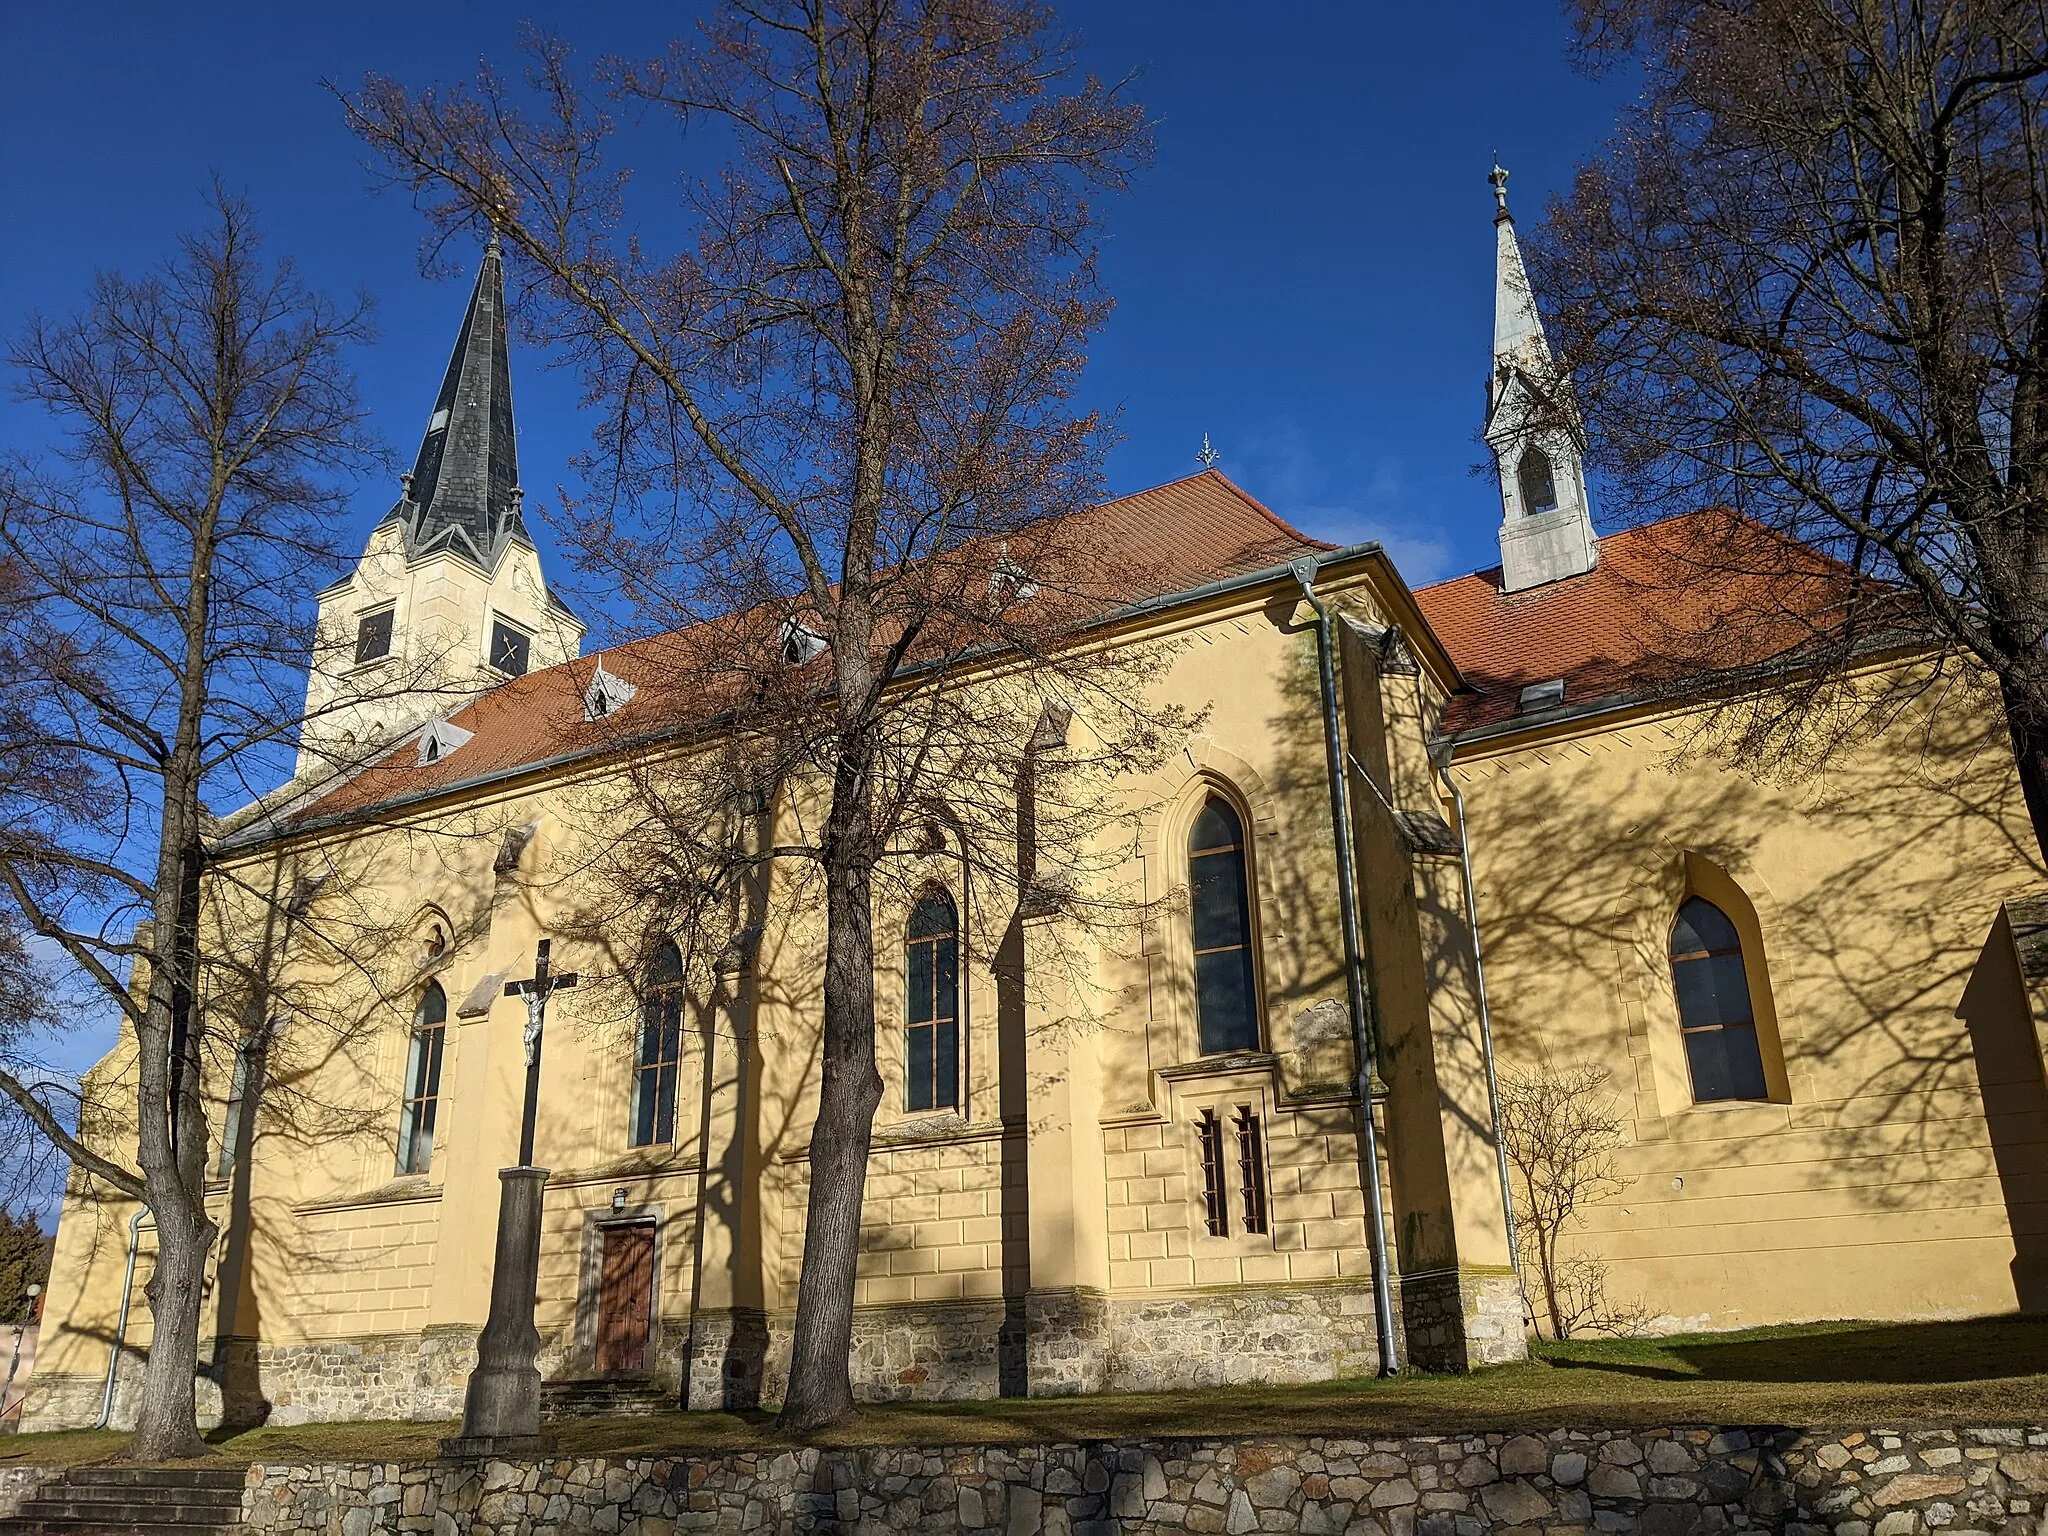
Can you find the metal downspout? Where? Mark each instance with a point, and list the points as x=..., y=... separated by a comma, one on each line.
x=1500, y=1146
x=121, y=1326
x=1364, y=1028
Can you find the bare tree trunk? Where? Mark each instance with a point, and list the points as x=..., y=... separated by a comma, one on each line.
x=167, y=1415
x=1546, y=1247
x=171, y=1144
x=2028, y=723
x=850, y=1090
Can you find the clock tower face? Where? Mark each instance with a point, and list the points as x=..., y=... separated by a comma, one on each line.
x=511, y=649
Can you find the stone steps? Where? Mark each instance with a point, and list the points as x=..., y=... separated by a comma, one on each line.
x=133, y=1501
x=606, y=1397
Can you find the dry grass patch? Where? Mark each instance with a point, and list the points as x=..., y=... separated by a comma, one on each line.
x=1989, y=1371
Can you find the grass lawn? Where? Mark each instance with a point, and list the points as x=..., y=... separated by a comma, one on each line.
x=1985, y=1371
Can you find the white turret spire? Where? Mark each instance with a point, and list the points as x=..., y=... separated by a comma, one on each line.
x=1533, y=429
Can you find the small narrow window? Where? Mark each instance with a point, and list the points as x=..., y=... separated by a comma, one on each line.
x=422, y=1081
x=511, y=649
x=661, y=1043
x=1216, y=1209
x=1714, y=1008
x=373, y=636
x=931, y=955
x=1538, y=482
x=1251, y=1167
x=1225, y=994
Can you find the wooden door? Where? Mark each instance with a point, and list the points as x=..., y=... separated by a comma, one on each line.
x=625, y=1298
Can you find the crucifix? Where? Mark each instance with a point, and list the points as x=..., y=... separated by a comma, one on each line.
x=537, y=989
x=501, y=1407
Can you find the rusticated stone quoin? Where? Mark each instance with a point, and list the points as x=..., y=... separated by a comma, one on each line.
x=1690, y=1481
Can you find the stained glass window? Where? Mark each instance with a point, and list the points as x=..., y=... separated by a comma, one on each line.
x=1714, y=1009
x=422, y=1081
x=931, y=964
x=1226, y=996
x=660, y=1051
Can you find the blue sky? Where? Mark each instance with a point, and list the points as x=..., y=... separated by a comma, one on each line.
x=1304, y=274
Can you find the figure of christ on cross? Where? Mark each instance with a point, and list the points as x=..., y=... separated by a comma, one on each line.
x=543, y=984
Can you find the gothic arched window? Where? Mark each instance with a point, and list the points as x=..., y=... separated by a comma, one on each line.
x=931, y=968
x=661, y=1050
x=422, y=1081
x=1537, y=480
x=1714, y=1009
x=1226, y=995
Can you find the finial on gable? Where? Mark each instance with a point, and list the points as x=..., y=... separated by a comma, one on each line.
x=1208, y=456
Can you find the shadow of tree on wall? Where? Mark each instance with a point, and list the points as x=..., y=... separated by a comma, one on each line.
x=1887, y=869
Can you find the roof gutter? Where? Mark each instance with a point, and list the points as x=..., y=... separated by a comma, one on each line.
x=266, y=830
x=1727, y=684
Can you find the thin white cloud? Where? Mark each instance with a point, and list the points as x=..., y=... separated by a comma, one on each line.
x=1377, y=502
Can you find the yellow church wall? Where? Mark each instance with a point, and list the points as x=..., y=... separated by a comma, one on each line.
x=341, y=1250
x=1863, y=893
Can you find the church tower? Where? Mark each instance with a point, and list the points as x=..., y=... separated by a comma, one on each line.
x=448, y=598
x=1533, y=430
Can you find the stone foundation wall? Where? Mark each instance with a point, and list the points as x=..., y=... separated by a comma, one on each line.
x=1049, y=1344
x=17, y=1484
x=1457, y=1320
x=1059, y=1343
x=387, y=1376
x=1674, y=1482
x=383, y=1376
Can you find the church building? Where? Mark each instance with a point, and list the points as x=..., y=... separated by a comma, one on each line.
x=1811, y=1007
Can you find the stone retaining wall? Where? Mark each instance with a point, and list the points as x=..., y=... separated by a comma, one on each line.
x=17, y=1484
x=1866, y=1482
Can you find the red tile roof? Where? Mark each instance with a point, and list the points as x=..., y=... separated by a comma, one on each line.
x=1691, y=595
x=1165, y=540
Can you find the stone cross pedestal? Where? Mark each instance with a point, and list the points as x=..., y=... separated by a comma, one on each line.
x=501, y=1411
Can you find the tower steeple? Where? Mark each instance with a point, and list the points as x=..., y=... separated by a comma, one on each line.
x=463, y=494
x=1533, y=430
x=449, y=598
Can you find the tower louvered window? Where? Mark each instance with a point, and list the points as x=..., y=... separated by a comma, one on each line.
x=1537, y=480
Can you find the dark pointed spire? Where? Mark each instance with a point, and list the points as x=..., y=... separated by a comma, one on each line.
x=463, y=493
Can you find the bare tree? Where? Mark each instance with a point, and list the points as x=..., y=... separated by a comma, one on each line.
x=1805, y=281
x=205, y=425
x=1561, y=1133
x=839, y=439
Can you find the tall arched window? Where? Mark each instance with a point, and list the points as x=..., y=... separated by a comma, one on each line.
x=422, y=1081
x=661, y=1049
x=1226, y=997
x=931, y=966
x=1538, y=482
x=1714, y=1007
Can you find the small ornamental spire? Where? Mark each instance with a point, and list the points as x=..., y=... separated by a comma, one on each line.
x=1499, y=181
x=1208, y=456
